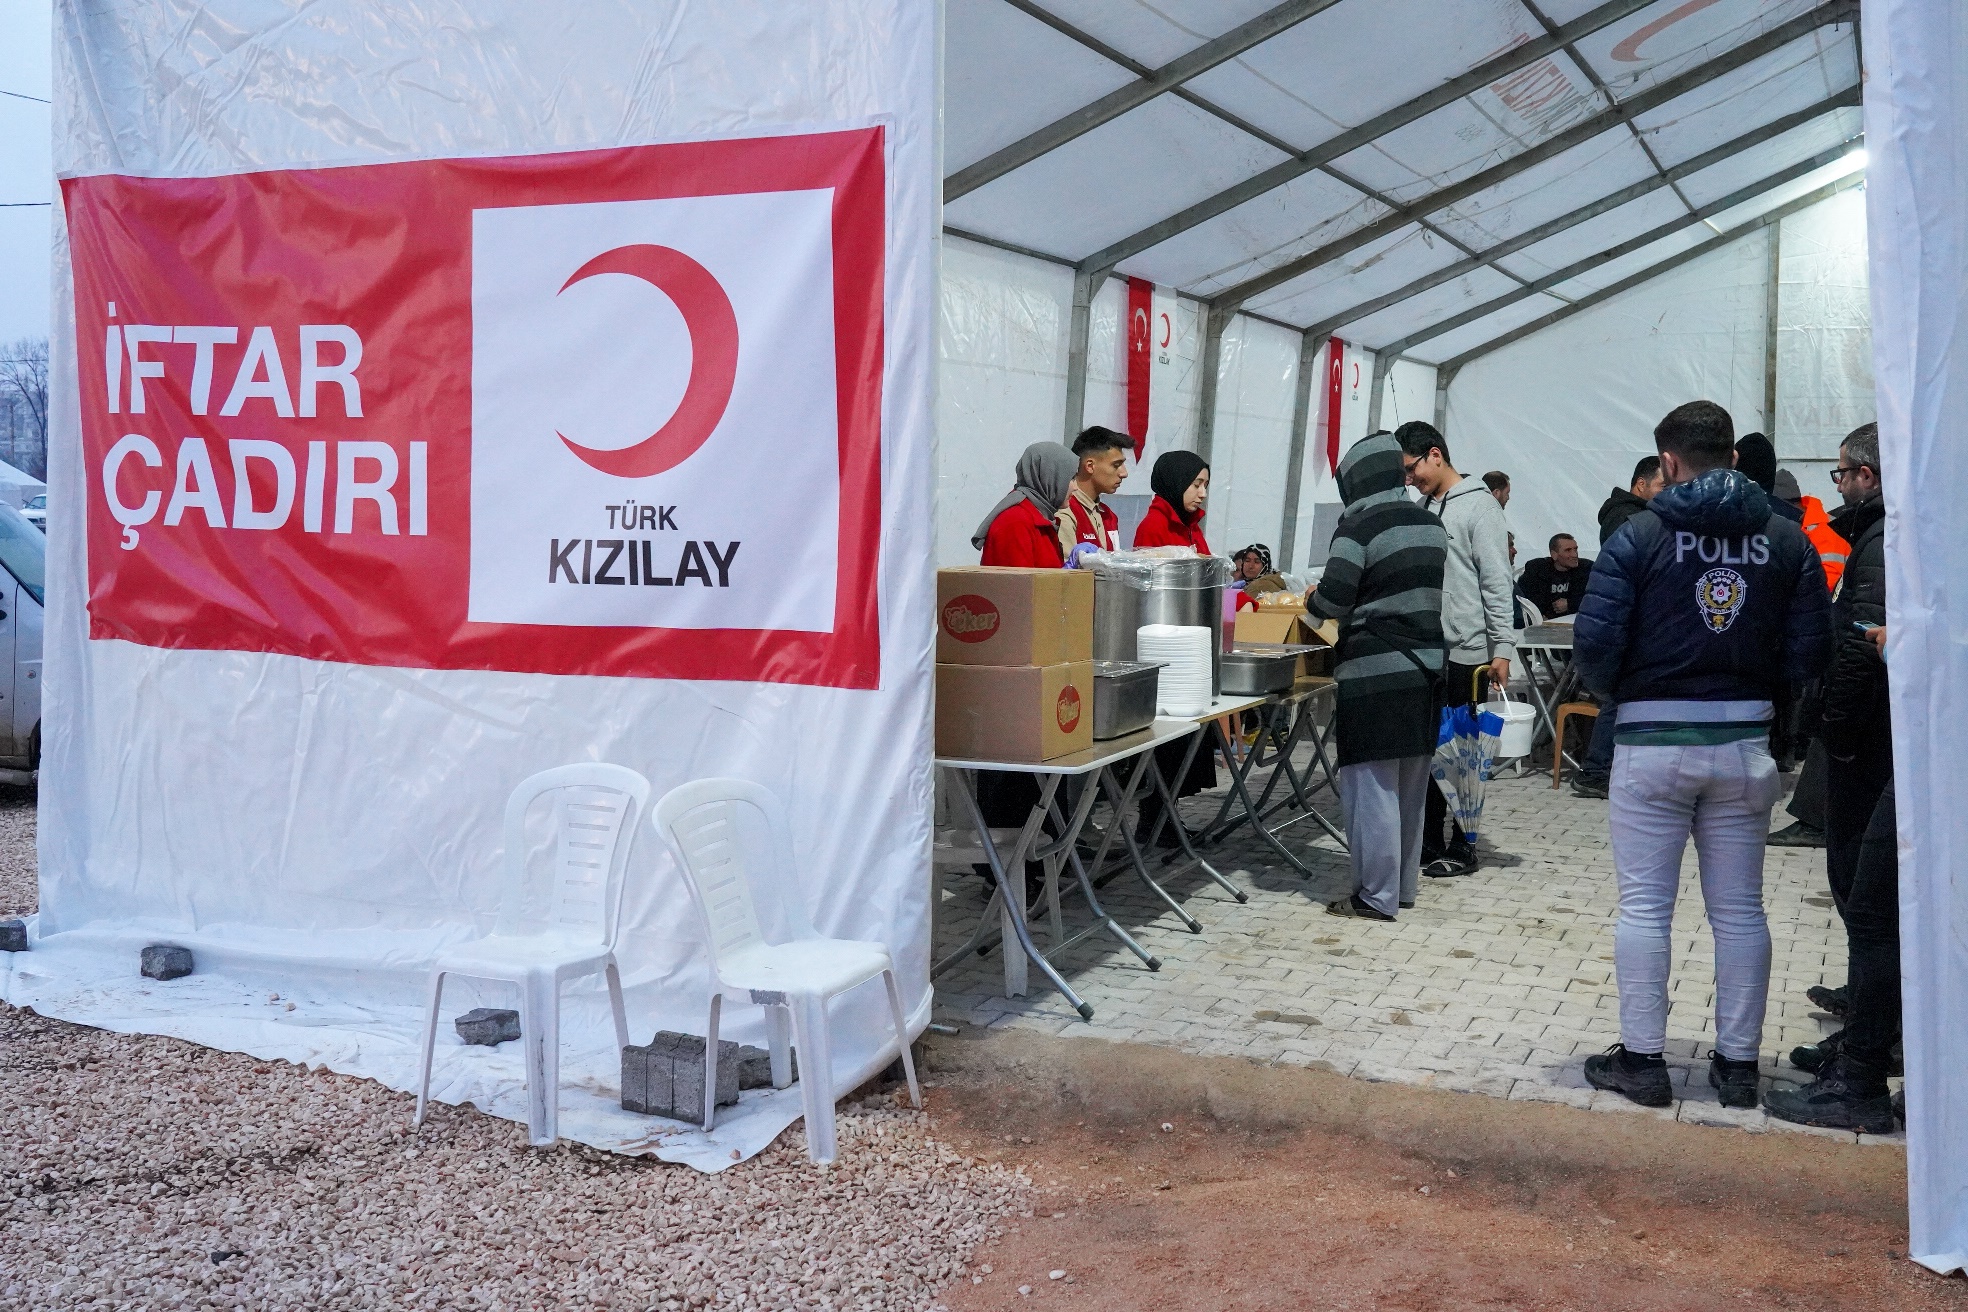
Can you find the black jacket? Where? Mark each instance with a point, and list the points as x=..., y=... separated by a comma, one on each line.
x=1543, y=583
x=1621, y=506
x=1857, y=715
x=1707, y=595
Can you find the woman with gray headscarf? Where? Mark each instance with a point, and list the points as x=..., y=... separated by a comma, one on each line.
x=1022, y=530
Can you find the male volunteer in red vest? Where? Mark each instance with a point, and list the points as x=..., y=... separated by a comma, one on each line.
x=1103, y=456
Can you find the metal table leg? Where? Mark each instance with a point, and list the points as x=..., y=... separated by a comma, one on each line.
x=1238, y=789
x=1010, y=897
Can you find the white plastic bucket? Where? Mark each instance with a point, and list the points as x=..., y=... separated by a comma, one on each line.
x=1518, y=719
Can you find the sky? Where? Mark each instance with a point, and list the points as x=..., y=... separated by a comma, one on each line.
x=26, y=166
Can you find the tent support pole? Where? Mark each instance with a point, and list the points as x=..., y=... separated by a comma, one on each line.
x=1308, y=355
x=1383, y=361
x=1213, y=325
x=1770, y=308
x=1444, y=375
x=1085, y=283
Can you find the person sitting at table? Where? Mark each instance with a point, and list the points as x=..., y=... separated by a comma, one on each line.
x=1383, y=583
x=1556, y=583
x=1254, y=576
x=1175, y=517
x=1022, y=530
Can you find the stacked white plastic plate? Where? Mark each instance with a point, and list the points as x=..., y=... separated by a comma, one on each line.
x=1184, y=653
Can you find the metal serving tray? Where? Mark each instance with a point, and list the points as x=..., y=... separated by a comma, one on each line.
x=1124, y=696
x=1255, y=674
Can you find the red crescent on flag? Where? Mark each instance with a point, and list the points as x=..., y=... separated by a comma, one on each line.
x=713, y=328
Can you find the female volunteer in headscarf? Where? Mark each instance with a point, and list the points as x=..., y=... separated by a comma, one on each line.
x=1175, y=517
x=1022, y=529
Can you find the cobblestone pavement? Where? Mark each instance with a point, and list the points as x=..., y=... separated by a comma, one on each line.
x=1498, y=983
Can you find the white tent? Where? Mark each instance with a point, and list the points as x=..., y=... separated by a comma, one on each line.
x=17, y=485
x=1274, y=226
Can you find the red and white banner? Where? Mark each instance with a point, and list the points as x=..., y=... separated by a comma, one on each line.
x=611, y=412
x=1140, y=357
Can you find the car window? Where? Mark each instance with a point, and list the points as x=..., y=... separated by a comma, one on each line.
x=24, y=551
x=39, y=502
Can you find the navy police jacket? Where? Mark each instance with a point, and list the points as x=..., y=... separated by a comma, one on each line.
x=1707, y=595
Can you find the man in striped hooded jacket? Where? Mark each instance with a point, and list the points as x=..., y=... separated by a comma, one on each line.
x=1383, y=583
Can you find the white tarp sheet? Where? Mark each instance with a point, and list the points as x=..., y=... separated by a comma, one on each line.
x=1917, y=213
x=317, y=828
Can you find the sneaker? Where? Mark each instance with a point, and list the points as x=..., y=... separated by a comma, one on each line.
x=1846, y=1096
x=1899, y=1105
x=1735, y=1081
x=1357, y=908
x=1836, y=1003
x=1455, y=862
x=1797, y=834
x=1594, y=788
x=1640, y=1076
x=1814, y=1057
x=1407, y=906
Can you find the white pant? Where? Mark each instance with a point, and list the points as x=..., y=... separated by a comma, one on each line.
x=1385, y=802
x=1722, y=795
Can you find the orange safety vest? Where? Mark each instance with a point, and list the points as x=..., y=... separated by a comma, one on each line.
x=1832, y=549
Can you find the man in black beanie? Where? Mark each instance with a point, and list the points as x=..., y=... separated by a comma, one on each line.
x=1756, y=456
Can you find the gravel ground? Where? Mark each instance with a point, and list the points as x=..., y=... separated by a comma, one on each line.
x=142, y=1172
x=17, y=865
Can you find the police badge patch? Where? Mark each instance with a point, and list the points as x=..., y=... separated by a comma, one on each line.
x=1720, y=593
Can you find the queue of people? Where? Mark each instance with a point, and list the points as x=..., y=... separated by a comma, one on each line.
x=1724, y=608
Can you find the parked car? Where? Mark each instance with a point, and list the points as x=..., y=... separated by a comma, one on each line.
x=23, y=563
x=35, y=511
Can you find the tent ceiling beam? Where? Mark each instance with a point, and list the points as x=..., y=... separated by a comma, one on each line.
x=1557, y=277
x=1599, y=83
x=1660, y=94
x=1151, y=82
x=1654, y=271
x=1605, y=204
x=1353, y=138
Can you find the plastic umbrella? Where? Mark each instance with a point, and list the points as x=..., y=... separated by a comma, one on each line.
x=1464, y=752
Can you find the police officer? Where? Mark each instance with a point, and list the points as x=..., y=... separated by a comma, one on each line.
x=1698, y=613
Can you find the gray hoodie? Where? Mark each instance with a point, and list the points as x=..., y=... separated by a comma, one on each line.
x=1477, y=584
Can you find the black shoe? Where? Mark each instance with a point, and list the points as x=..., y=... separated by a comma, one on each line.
x=1797, y=834
x=1734, y=1080
x=1457, y=861
x=1594, y=788
x=1814, y=1057
x=1034, y=885
x=1357, y=908
x=1899, y=1106
x=1407, y=906
x=1836, y=1003
x=1640, y=1076
x=1846, y=1096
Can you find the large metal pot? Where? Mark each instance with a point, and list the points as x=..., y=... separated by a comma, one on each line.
x=1187, y=590
x=1116, y=615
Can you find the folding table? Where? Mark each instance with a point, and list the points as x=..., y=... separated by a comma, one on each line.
x=1096, y=764
x=1543, y=642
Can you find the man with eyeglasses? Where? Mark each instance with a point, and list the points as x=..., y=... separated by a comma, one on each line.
x=1861, y=836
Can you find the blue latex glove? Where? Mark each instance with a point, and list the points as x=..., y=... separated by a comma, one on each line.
x=1080, y=551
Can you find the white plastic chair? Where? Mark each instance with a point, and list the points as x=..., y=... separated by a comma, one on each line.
x=792, y=980
x=596, y=808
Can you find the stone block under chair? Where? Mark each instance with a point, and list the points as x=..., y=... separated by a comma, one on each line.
x=13, y=936
x=165, y=961
x=665, y=1077
x=488, y=1027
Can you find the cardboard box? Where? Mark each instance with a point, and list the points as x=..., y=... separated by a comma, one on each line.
x=997, y=616
x=1026, y=713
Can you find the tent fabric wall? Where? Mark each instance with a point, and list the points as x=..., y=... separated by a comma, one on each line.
x=1567, y=411
x=1824, y=335
x=331, y=826
x=1917, y=213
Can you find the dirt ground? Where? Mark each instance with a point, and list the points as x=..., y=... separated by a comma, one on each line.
x=1179, y=1182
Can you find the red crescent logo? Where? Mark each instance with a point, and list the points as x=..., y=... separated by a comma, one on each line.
x=713, y=329
x=1628, y=51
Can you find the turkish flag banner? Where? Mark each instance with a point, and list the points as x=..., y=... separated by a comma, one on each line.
x=611, y=412
x=1140, y=352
